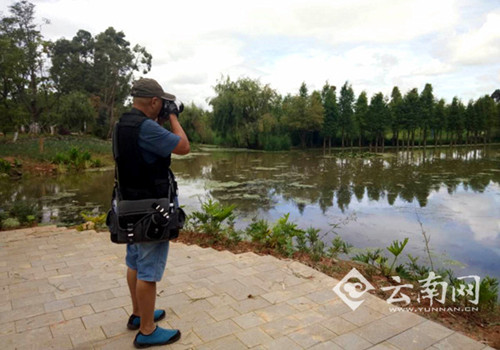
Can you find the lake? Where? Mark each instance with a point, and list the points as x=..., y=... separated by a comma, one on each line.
x=451, y=194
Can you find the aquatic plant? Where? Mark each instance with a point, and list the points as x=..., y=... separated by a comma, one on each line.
x=212, y=217
x=339, y=246
x=25, y=211
x=396, y=248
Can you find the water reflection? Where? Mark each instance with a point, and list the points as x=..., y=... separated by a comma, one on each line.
x=252, y=180
x=455, y=192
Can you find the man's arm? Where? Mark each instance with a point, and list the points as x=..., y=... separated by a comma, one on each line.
x=183, y=146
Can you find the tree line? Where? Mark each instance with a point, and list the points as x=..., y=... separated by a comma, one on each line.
x=65, y=85
x=82, y=85
x=247, y=114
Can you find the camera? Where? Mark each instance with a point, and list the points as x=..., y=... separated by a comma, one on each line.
x=171, y=107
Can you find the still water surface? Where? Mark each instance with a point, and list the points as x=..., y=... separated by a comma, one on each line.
x=454, y=195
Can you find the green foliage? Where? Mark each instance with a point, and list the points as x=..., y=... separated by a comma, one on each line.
x=214, y=219
x=339, y=246
x=29, y=147
x=5, y=166
x=488, y=293
x=10, y=223
x=76, y=159
x=26, y=212
x=99, y=219
x=76, y=111
x=396, y=248
x=280, y=237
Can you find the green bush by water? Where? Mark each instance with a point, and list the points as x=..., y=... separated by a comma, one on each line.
x=287, y=238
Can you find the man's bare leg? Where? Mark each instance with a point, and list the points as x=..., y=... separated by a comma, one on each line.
x=132, y=286
x=146, y=297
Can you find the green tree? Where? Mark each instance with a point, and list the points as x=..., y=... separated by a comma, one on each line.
x=114, y=64
x=73, y=64
x=331, y=114
x=439, y=121
x=237, y=108
x=486, y=114
x=196, y=123
x=76, y=112
x=304, y=113
x=24, y=76
x=426, y=111
x=378, y=119
x=346, y=101
x=396, y=113
x=456, y=119
x=411, y=109
x=361, y=116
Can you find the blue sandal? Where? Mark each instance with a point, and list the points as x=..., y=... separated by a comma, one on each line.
x=160, y=336
x=134, y=322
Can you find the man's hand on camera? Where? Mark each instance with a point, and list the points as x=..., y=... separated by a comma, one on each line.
x=175, y=107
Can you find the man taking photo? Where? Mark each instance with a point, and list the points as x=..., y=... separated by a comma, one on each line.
x=143, y=172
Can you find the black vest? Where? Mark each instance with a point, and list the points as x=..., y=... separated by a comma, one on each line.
x=136, y=178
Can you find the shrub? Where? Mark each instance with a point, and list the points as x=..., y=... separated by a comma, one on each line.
x=212, y=217
x=280, y=237
x=74, y=158
x=10, y=223
x=5, y=166
x=26, y=212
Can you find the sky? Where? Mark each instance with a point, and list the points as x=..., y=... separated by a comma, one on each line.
x=375, y=45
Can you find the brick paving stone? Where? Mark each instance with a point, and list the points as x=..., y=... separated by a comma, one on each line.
x=250, y=304
x=248, y=320
x=46, y=319
x=281, y=326
x=77, y=311
x=377, y=331
x=115, y=328
x=412, y=339
x=253, y=337
x=216, y=330
x=283, y=343
x=308, y=317
x=458, y=341
x=123, y=342
x=352, y=341
x=30, y=337
x=311, y=335
x=403, y=320
x=102, y=318
x=8, y=328
x=228, y=342
x=329, y=345
x=112, y=303
x=67, y=327
x=384, y=346
x=58, y=305
x=338, y=325
x=276, y=311
x=59, y=343
x=62, y=289
x=84, y=339
x=433, y=330
x=223, y=312
x=362, y=315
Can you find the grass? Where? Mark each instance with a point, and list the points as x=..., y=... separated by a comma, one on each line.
x=52, y=145
x=46, y=149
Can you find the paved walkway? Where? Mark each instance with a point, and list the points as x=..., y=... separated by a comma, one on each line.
x=62, y=289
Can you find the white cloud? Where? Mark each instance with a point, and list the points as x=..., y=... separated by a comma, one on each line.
x=373, y=44
x=481, y=45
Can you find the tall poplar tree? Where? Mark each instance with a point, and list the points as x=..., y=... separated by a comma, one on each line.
x=346, y=112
